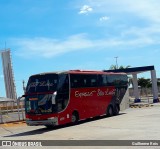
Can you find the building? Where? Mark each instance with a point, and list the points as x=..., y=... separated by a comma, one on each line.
x=8, y=74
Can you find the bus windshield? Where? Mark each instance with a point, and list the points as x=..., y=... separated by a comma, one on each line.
x=41, y=90
x=42, y=83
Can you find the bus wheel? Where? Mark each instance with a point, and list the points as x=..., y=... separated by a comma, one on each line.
x=49, y=126
x=110, y=111
x=75, y=117
x=116, y=110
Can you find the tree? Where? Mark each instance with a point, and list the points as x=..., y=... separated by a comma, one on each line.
x=122, y=67
x=114, y=67
x=144, y=83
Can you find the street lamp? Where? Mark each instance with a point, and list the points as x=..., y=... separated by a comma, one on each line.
x=116, y=62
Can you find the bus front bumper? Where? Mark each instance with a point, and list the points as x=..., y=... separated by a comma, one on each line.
x=50, y=121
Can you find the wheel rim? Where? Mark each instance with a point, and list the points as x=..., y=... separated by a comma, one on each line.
x=74, y=118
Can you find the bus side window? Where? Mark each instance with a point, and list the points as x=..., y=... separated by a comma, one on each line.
x=124, y=80
x=89, y=80
x=63, y=84
x=110, y=79
x=75, y=81
x=102, y=80
x=93, y=82
x=62, y=96
x=118, y=80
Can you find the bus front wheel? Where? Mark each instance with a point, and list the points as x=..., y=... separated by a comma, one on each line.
x=49, y=126
x=75, y=117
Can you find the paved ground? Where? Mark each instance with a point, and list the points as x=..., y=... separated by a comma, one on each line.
x=13, y=115
x=132, y=124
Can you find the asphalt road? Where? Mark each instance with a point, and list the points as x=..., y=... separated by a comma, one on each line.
x=131, y=124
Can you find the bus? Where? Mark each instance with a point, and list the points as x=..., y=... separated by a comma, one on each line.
x=58, y=98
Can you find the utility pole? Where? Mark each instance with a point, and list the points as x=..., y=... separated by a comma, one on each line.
x=24, y=88
x=116, y=62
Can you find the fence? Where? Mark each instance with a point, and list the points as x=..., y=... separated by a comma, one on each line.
x=11, y=110
x=143, y=92
x=146, y=95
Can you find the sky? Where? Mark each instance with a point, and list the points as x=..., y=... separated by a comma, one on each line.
x=57, y=35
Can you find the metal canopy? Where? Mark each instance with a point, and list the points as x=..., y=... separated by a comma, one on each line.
x=133, y=70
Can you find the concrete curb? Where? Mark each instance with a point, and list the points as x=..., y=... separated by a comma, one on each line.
x=140, y=106
x=13, y=122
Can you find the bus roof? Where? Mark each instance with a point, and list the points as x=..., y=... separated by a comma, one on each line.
x=79, y=72
x=90, y=72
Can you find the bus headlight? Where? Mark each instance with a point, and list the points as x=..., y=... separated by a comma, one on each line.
x=51, y=118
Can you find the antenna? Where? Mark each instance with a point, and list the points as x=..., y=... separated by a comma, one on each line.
x=5, y=45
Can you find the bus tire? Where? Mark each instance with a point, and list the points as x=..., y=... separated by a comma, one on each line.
x=110, y=111
x=75, y=117
x=116, y=109
x=49, y=126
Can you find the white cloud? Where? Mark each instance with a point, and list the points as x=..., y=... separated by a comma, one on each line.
x=146, y=9
x=150, y=32
x=85, y=9
x=48, y=47
x=104, y=18
x=138, y=21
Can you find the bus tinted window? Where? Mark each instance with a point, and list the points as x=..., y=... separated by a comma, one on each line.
x=102, y=80
x=63, y=83
x=42, y=83
x=75, y=81
x=93, y=79
x=117, y=80
x=78, y=80
x=124, y=80
x=110, y=79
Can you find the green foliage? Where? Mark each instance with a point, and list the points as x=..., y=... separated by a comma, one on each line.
x=122, y=67
x=114, y=67
x=144, y=83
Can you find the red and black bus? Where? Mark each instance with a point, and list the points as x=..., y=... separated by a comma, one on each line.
x=58, y=98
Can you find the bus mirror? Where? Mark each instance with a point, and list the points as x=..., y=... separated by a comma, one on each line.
x=23, y=95
x=54, y=98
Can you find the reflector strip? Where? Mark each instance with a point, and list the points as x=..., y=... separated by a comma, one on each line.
x=33, y=98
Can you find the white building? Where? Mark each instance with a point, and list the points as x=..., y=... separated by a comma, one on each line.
x=8, y=74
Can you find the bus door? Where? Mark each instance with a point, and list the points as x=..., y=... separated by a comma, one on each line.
x=62, y=96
